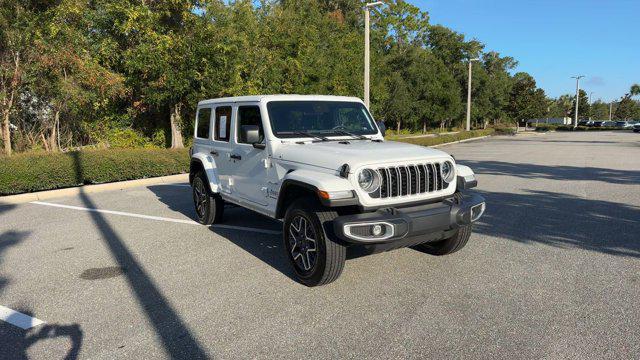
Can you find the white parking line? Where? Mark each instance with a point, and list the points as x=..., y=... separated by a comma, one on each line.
x=157, y=218
x=18, y=319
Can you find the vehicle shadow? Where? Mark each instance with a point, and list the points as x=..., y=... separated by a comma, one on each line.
x=266, y=247
x=173, y=332
x=533, y=171
x=562, y=220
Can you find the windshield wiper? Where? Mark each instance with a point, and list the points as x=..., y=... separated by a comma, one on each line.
x=304, y=133
x=357, y=136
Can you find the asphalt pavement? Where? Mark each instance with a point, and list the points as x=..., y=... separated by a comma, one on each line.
x=551, y=271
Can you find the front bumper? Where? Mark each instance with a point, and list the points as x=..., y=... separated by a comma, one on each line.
x=430, y=222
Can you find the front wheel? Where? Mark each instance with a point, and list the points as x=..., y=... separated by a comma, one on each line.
x=315, y=257
x=451, y=244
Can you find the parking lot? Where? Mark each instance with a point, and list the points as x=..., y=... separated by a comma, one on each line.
x=552, y=270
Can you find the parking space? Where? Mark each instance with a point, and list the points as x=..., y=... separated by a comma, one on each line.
x=552, y=270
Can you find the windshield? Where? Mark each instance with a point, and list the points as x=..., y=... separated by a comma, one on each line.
x=324, y=118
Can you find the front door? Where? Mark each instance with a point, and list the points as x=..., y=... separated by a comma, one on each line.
x=250, y=164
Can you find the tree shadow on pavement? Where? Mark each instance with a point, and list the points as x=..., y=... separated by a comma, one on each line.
x=15, y=342
x=562, y=220
x=8, y=239
x=533, y=171
x=6, y=208
x=176, y=338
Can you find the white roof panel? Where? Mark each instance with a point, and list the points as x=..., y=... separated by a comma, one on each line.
x=267, y=98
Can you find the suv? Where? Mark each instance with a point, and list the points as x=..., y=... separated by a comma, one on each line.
x=321, y=166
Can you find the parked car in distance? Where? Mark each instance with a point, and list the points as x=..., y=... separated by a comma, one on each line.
x=320, y=165
x=608, y=124
x=585, y=123
x=624, y=124
x=636, y=127
x=598, y=123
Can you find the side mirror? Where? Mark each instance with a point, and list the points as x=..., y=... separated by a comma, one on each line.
x=383, y=129
x=250, y=134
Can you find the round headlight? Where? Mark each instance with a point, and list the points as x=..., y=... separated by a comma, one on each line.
x=369, y=180
x=447, y=171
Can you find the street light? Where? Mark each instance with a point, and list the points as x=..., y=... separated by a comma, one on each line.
x=610, y=109
x=577, y=77
x=367, y=7
x=469, y=95
x=590, y=110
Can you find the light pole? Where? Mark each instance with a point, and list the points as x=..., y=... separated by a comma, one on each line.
x=610, y=109
x=367, y=7
x=469, y=95
x=577, y=77
x=590, y=112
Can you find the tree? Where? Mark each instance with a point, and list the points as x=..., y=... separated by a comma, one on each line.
x=527, y=101
x=16, y=20
x=635, y=90
x=627, y=109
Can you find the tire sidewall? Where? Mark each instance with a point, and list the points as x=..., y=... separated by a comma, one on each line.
x=205, y=215
x=317, y=271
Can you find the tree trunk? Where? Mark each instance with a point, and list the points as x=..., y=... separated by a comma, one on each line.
x=6, y=132
x=53, y=137
x=424, y=127
x=175, y=119
x=399, y=123
x=8, y=104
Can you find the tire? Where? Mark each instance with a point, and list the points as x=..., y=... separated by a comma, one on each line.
x=451, y=244
x=304, y=220
x=209, y=207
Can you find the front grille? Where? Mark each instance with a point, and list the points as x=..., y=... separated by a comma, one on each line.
x=409, y=180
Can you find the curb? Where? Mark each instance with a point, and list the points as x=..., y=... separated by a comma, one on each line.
x=87, y=189
x=462, y=141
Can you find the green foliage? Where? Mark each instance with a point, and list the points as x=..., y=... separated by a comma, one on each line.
x=40, y=171
x=130, y=73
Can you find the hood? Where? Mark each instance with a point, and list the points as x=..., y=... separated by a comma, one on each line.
x=332, y=154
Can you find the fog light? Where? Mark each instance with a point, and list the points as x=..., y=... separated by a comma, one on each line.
x=477, y=211
x=372, y=231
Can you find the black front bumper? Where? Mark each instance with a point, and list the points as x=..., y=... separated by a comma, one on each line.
x=410, y=225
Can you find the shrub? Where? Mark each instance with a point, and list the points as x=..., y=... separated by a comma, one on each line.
x=446, y=138
x=43, y=171
x=503, y=130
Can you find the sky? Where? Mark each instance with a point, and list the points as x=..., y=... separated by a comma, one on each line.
x=554, y=40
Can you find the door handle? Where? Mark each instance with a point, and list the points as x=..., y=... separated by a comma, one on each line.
x=235, y=157
x=213, y=152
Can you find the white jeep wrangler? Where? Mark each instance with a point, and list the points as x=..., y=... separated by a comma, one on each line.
x=321, y=165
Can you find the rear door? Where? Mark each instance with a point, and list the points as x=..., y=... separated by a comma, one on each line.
x=221, y=146
x=202, y=134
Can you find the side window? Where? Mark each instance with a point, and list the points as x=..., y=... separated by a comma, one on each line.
x=203, y=123
x=249, y=119
x=223, y=123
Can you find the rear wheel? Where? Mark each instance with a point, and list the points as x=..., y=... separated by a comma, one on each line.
x=209, y=207
x=315, y=257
